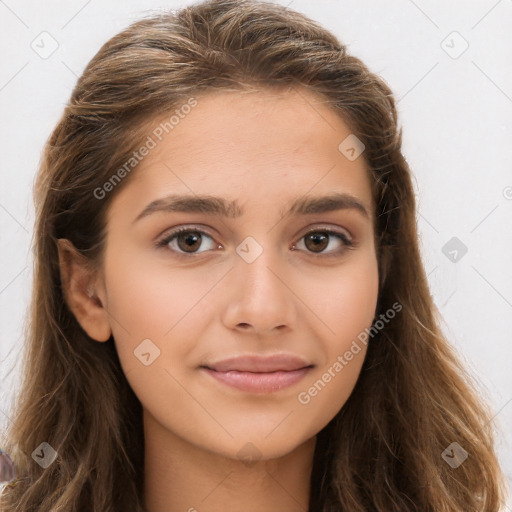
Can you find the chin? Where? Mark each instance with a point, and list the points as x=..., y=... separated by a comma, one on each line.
x=260, y=448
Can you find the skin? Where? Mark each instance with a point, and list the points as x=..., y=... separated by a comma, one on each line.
x=265, y=149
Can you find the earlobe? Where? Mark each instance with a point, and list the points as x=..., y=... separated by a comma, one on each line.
x=77, y=281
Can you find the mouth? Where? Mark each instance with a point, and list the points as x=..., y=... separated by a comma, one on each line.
x=259, y=374
x=258, y=382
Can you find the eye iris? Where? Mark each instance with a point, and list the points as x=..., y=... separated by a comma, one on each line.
x=189, y=236
x=190, y=241
x=319, y=239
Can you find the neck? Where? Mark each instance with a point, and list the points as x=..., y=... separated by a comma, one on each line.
x=181, y=477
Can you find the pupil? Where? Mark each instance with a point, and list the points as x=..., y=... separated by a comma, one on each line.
x=318, y=239
x=188, y=237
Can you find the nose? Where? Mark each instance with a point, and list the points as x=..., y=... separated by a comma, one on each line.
x=260, y=295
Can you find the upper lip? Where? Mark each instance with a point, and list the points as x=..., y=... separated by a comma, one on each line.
x=260, y=363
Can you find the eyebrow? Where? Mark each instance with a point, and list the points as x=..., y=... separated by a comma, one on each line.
x=306, y=205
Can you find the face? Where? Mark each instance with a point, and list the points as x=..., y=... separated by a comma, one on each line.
x=233, y=331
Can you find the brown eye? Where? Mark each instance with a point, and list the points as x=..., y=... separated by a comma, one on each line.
x=185, y=241
x=317, y=241
x=189, y=240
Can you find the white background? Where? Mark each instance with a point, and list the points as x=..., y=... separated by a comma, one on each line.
x=456, y=114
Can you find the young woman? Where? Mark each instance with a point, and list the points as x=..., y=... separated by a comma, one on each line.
x=230, y=310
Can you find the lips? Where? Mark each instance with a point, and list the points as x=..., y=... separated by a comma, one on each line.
x=259, y=374
x=260, y=364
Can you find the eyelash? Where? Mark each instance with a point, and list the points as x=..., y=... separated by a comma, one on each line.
x=348, y=244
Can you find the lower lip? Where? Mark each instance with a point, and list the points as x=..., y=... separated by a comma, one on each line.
x=259, y=382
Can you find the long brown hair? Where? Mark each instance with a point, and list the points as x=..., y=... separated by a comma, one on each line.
x=413, y=399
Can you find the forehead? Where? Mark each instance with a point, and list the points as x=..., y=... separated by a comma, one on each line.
x=267, y=146
x=254, y=124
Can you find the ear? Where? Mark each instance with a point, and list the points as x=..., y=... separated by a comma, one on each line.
x=80, y=287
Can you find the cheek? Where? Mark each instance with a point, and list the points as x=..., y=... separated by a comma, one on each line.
x=152, y=302
x=346, y=302
x=353, y=304
x=326, y=393
x=348, y=311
